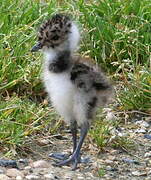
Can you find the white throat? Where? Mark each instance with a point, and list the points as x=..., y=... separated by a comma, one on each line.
x=74, y=37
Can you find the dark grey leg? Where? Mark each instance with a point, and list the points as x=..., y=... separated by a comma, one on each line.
x=61, y=156
x=73, y=127
x=75, y=156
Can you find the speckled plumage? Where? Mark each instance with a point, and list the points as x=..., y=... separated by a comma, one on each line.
x=74, y=84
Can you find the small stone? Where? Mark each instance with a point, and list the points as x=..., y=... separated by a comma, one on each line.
x=69, y=175
x=149, y=162
x=147, y=154
x=148, y=178
x=110, y=116
x=43, y=142
x=19, y=178
x=32, y=177
x=80, y=177
x=112, y=158
x=142, y=123
x=41, y=164
x=27, y=167
x=4, y=177
x=148, y=136
x=136, y=173
x=27, y=170
x=108, y=161
x=49, y=176
x=23, y=161
x=127, y=160
x=14, y=172
x=109, y=168
x=140, y=130
x=1, y=171
x=45, y=102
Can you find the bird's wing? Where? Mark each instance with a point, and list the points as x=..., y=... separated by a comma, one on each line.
x=86, y=78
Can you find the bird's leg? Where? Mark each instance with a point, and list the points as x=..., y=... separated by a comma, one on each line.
x=62, y=156
x=75, y=156
x=73, y=127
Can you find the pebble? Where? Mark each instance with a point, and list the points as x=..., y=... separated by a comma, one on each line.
x=107, y=161
x=109, y=168
x=4, y=177
x=49, y=176
x=148, y=136
x=69, y=175
x=1, y=171
x=127, y=160
x=14, y=172
x=110, y=157
x=23, y=161
x=110, y=116
x=19, y=178
x=147, y=154
x=32, y=177
x=138, y=173
x=80, y=177
x=140, y=130
x=142, y=123
x=149, y=172
x=121, y=134
x=41, y=164
x=27, y=167
x=43, y=142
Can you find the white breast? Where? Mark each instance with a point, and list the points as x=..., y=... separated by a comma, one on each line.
x=58, y=85
x=61, y=92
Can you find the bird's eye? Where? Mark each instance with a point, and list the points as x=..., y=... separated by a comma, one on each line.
x=39, y=38
x=56, y=37
x=66, y=31
x=69, y=25
x=53, y=31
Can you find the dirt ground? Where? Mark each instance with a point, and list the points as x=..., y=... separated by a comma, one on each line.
x=119, y=164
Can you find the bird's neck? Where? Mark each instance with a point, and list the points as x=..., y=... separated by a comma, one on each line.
x=58, y=61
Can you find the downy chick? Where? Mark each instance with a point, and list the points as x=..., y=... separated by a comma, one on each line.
x=75, y=85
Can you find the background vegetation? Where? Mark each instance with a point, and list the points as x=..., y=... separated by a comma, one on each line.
x=116, y=33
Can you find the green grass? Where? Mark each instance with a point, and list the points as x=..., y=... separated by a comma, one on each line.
x=101, y=172
x=102, y=134
x=136, y=91
x=116, y=33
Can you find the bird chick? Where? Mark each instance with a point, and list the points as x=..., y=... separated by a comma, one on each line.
x=75, y=85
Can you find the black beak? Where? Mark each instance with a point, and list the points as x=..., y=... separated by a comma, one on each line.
x=36, y=47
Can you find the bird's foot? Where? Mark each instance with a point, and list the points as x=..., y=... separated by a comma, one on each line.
x=74, y=159
x=85, y=160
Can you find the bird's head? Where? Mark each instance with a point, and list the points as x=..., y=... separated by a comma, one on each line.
x=55, y=32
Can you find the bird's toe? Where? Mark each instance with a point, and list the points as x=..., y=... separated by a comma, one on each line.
x=74, y=159
x=59, y=156
x=65, y=162
x=85, y=160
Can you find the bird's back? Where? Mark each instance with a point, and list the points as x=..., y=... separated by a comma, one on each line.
x=92, y=88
